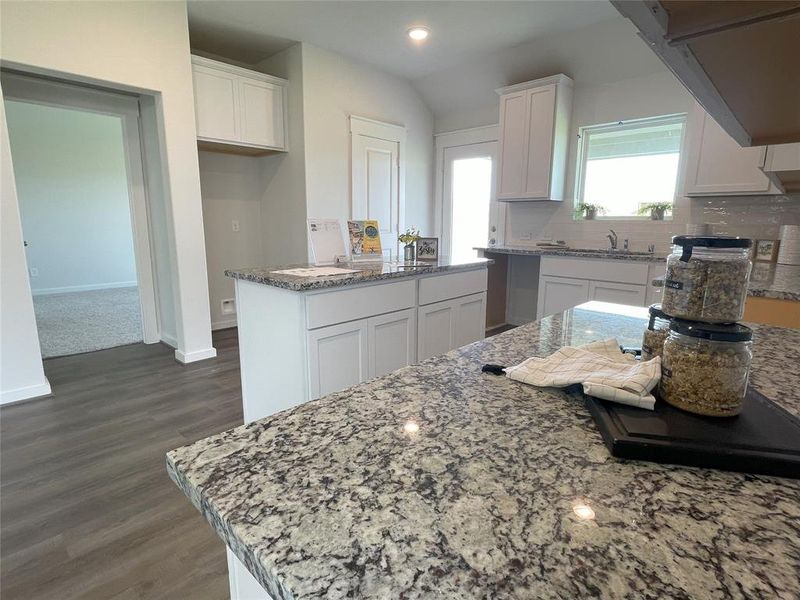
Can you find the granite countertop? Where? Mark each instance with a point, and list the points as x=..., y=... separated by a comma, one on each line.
x=575, y=252
x=366, y=271
x=768, y=280
x=338, y=497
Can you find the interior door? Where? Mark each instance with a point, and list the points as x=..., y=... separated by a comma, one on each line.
x=376, y=186
x=471, y=215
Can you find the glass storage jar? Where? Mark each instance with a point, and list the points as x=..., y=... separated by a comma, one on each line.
x=705, y=367
x=706, y=278
x=656, y=332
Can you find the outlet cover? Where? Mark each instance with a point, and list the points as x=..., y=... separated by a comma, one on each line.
x=34, y=272
x=235, y=226
x=229, y=306
x=527, y=235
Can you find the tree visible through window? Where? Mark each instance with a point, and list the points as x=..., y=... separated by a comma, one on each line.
x=625, y=166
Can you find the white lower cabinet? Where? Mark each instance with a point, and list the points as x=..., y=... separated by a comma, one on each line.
x=391, y=342
x=337, y=357
x=443, y=326
x=560, y=293
x=620, y=293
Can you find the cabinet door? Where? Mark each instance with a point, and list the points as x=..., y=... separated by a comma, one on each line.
x=620, y=293
x=717, y=165
x=512, y=154
x=216, y=100
x=337, y=357
x=469, y=324
x=262, y=113
x=392, y=341
x=557, y=294
x=541, y=112
x=434, y=329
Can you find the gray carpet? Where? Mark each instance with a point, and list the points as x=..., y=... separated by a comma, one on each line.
x=87, y=321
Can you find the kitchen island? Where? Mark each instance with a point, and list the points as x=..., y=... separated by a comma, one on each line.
x=440, y=481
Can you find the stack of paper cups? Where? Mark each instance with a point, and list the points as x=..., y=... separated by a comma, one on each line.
x=789, y=252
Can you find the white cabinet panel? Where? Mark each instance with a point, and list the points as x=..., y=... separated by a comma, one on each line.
x=470, y=322
x=541, y=114
x=557, y=294
x=717, y=166
x=337, y=357
x=243, y=586
x=534, y=136
x=216, y=98
x=435, y=322
x=441, y=287
x=620, y=293
x=392, y=341
x=238, y=107
x=262, y=113
x=513, y=124
x=447, y=325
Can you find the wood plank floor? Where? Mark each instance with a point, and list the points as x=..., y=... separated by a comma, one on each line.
x=86, y=507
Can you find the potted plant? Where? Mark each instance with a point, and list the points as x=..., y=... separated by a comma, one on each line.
x=589, y=211
x=409, y=239
x=656, y=210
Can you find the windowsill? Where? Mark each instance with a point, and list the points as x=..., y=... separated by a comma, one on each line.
x=620, y=218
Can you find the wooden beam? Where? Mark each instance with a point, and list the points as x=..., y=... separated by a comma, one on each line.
x=737, y=23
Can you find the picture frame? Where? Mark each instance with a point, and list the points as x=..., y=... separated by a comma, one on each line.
x=766, y=250
x=428, y=248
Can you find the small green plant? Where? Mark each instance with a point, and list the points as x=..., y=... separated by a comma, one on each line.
x=410, y=236
x=656, y=210
x=589, y=211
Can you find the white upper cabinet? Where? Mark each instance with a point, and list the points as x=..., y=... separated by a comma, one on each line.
x=534, y=139
x=237, y=107
x=717, y=166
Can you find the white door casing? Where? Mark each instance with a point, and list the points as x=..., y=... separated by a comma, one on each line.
x=377, y=169
x=63, y=95
x=465, y=143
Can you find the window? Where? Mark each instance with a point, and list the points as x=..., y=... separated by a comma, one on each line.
x=625, y=166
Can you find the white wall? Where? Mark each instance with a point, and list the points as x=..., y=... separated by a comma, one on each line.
x=335, y=87
x=72, y=187
x=141, y=47
x=616, y=78
x=231, y=192
x=21, y=372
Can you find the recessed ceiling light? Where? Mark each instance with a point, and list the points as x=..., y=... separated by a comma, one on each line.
x=418, y=33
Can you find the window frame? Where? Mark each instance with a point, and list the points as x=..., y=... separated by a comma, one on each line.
x=583, y=150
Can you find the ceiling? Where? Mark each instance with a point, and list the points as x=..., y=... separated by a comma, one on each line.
x=375, y=31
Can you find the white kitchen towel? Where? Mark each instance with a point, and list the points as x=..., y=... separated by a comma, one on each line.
x=603, y=369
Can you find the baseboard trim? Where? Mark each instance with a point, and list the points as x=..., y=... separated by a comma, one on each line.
x=26, y=393
x=84, y=288
x=169, y=340
x=190, y=357
x=225, y=324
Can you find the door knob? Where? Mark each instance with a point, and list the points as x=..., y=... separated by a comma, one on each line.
x=494, y=228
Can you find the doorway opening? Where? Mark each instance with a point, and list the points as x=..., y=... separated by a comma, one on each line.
x=80, y=184
x=471, y=216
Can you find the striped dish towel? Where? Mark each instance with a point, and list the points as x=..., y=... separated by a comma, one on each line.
x=601, y=367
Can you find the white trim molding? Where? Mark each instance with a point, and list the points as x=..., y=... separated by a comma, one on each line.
x=197, y=355
x=67, y=289
x=451, y=139
x=223, y=324
x=26, y=393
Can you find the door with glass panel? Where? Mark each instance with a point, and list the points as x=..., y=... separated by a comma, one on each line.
x=471, y=215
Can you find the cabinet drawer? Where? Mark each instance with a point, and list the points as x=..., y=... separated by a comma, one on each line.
x=443, y=287
x=339, y=306
x=620, y=271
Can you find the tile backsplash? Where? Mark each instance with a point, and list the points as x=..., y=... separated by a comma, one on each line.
x=759, y=217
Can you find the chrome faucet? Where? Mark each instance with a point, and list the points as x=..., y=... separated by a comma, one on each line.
x=612, y=239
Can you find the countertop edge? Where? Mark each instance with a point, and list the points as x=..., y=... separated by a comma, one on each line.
x=574, y=253
x=309, y=284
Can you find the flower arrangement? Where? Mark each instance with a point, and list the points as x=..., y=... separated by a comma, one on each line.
x=410, y=236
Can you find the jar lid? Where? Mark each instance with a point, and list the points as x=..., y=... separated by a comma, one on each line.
x=687, y=242
x=656, y=313
x=714, y=333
